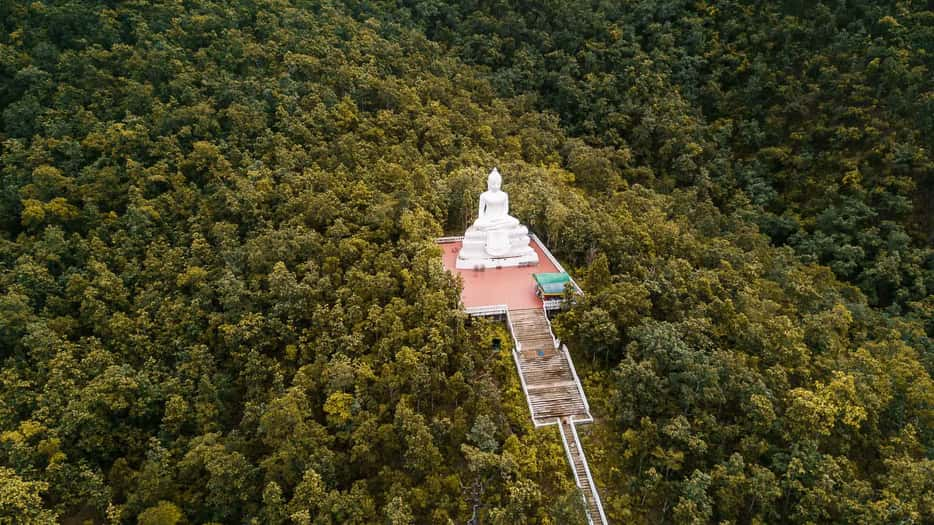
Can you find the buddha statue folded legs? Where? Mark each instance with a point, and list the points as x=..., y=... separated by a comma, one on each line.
x=495, y=239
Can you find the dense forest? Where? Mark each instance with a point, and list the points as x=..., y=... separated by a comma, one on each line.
x=221, y=300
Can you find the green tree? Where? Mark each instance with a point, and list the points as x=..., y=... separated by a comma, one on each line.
x=165, y=513
x=21, y=500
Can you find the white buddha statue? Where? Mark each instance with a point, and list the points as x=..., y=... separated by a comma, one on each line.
x=496, y=239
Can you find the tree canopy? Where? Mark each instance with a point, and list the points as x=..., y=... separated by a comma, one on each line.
x=221, y=300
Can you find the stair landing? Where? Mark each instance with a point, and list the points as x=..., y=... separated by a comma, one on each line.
x=548, y=376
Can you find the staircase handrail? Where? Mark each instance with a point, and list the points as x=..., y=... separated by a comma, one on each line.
x=550, y=331
x=593, y=486
x=555, y=262
x=577, y=380
x=517, y=349
x=577, y=481
x=516, y=345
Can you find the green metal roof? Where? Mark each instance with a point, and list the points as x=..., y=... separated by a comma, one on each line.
x=551, y=283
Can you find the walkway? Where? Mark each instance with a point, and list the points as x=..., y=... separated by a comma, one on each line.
x=582, y=476
x=547, y=372
x=554, y=394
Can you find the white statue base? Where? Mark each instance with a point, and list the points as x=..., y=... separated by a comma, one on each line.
x=484, y=264
x=496, y=249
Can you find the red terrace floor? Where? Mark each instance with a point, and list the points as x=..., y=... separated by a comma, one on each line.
x=511, y=286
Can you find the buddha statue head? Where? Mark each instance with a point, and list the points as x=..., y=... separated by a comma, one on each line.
x=494, y=181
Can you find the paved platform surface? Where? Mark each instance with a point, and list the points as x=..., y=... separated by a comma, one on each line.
x=511, y=286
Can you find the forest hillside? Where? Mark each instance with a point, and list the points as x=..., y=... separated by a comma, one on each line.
x=221, y=300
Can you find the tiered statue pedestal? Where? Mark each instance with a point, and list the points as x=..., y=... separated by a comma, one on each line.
x=496, y=249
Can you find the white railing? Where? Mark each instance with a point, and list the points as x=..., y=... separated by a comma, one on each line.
x=550, y=331
x=593, y=486
x=555, y=261
x=446, y=240
x=577, y=481
x=496, y=309
x=552, y=304
x=525, y=391
x=577, y=381
x=541, y=245
x=517, y=349
x=517, y=346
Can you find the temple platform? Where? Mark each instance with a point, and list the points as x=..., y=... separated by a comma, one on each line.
x=510, y=286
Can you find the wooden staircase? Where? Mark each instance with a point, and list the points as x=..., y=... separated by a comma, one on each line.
x=554, y=394
x=550, y=384
x=582, y=472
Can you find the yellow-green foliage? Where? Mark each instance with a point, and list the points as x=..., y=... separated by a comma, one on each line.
x=220, y=301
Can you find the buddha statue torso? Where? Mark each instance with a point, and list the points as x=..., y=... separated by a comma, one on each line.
x=494, y=212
